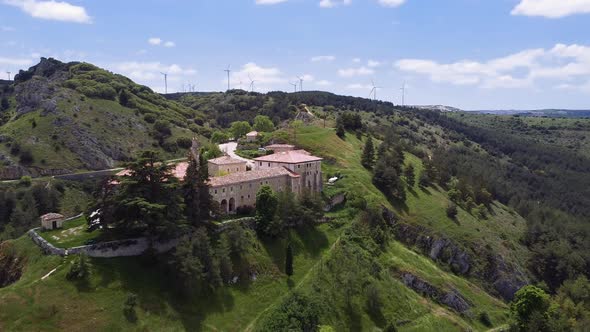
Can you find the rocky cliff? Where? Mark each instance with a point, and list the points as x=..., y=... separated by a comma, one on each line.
x=499, y=276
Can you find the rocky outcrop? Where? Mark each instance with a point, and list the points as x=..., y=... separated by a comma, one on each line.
x=11, y=266
x=501, y=277
x=451, y=298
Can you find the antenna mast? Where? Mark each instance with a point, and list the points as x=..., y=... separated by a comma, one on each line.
x=8, y=75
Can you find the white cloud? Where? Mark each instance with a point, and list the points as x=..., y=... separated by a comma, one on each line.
x=52, y=10
x=323, y=83
x=357, y=86
x=155, y=41
x=323, y=58
x=307, y=78
x=562, y=62
x=391, y=3
x=334, y=3
x=373, y=63
x=551, y=8
x=351, y=72
x=269, y=2
x=150, y=73
x=266, y=78
x=356, y=60
x=15, y=61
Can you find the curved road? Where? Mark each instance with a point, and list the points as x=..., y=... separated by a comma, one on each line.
x=230, y=149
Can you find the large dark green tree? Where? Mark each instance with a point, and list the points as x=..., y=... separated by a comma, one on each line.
x=266, y=207
x=147, y=200
x=368, y=157
x=195, y=187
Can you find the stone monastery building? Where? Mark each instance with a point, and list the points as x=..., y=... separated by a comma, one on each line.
x=232, y=186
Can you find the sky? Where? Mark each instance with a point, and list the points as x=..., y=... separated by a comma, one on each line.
x=471, y=54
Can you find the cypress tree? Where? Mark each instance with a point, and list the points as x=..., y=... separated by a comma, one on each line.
x=289, y=261
x=368, y=158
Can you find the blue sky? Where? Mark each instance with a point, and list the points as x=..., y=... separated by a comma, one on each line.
x=472, y=54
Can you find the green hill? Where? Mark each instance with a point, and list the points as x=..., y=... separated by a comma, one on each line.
x=65, y=117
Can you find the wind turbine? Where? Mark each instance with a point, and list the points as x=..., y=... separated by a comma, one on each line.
x=403, y=89
x=300, y=83
x=374, y=90
x=251, y=83
x=294, y=85
x=227, y=71
x=8, y=75
x=165, y=82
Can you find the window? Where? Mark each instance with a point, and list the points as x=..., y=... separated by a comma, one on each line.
x=231, y=189
x=215, y=191
x=261, y=163
x=223, y=190
x=268, y=164
x=240, y=187
x=298, y=166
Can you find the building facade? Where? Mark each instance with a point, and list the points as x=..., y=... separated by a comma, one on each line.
x=225, y=165
x=292, y=170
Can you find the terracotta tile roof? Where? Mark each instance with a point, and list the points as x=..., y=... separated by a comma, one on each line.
x=51, y=216
x=226, y=160
x=179, y=171
x=289, y=157
x=241, y=177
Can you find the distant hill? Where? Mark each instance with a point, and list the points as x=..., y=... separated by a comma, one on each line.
x=553, y=113
x=64, y=117
x=441, y=108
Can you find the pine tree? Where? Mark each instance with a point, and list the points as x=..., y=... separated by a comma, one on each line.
x=368, y=158
x=289, y=261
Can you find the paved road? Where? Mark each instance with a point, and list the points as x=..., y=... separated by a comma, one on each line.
x=230, y=149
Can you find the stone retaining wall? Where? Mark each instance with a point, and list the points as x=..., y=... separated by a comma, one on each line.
x=121, y=248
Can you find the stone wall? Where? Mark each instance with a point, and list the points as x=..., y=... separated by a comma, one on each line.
x=122, y=248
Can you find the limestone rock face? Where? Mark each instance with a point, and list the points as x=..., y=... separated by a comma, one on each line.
x=451, y=298
x=503, y=278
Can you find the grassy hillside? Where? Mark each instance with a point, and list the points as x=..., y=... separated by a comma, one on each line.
x=76, y=116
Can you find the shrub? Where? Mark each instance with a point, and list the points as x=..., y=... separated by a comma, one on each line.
x=14, y=148
x=163, y=127
x=184, y=142
x=452, y=211
x=26, y=157
x=25, y=181
x=80, y=269
x=129, y=308
x=149, y=118
x=485, y=319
